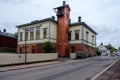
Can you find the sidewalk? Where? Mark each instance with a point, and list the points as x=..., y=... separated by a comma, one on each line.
x=24, y=66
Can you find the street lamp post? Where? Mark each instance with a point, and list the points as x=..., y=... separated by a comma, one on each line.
x=25, y=48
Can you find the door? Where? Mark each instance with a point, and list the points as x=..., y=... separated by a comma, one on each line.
x=67, y=53
x=73, y=49
x=20, y=49
x=33, y=49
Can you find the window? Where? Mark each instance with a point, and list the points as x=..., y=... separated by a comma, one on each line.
x=25, y=49
x=69, y=35
x=26, y=34
x=44, y=33
x=92, y=38
x=31, y=33
x=38, y=32
x=77, y=34
x=60, y=11
x=37, y=46
x=21, y=36
x=87, y=35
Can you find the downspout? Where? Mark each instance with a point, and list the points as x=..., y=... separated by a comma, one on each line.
x=18, y=37
x=95, y=45
x=83, y=38
x=49, y=30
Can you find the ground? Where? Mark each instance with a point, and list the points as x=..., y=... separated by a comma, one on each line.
x=113, y=73
x=79, y=69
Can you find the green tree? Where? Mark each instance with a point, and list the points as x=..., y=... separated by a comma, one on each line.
x=119, y=48
x=110, y=47
x=48, y=47
x=16, y=34
x=98, y=53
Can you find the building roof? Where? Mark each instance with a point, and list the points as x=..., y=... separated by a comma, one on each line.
x=53, y=20
x=5, y=34
x=66, y=5
x=84, y=24
x=37, y=21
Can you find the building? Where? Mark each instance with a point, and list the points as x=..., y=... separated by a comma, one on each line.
x=66, y=37
x=8, y=43
x=104, y=51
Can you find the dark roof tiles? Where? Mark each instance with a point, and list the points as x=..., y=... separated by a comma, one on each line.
x=84, y=24
x=7, y=35
x=37, y=21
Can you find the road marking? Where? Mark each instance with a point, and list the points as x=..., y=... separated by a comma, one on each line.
x=96, y=76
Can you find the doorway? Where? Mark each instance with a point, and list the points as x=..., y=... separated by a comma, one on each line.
x=73, y=49
x=33, y=49
x=67, y=53
x=20, y=49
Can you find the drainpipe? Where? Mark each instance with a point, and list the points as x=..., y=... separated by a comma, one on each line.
x=49, y=30
x=95, y=44
x=18, y=37
x=25, y=47
x=83, y=38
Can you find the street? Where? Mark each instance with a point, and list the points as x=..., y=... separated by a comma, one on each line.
x=80, y=69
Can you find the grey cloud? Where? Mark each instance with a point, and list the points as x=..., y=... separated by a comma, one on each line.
x=104, y=14
x=13, y=1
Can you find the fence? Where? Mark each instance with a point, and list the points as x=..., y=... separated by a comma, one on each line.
x=6, y=59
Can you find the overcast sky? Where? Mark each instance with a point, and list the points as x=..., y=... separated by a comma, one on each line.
x=102, y=15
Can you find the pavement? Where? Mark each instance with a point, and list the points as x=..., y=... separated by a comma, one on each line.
x=24, y=66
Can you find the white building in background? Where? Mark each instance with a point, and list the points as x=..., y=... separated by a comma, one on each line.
x=104, y=51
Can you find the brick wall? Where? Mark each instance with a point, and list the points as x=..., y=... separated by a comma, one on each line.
x=32, y=48
x=89, y=51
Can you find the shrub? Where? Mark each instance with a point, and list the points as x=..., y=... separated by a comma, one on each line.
x=48, y=47
x=98, y=53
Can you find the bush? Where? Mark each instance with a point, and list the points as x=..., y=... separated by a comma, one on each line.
x=98, y=53
x=48, y=47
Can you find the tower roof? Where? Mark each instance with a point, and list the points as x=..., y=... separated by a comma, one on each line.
x=63, y=6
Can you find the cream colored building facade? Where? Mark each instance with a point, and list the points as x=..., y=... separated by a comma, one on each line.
x=85, y=35
x=84, y=38
x=50, y=26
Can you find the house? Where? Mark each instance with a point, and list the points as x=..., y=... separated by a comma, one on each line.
x=104, y=51
x=8, y=43
x=66, y=37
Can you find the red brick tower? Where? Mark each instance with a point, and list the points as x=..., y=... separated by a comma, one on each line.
x=63, y=16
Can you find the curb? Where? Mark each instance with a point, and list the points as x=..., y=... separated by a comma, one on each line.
x=104, y=70
x=28, y=67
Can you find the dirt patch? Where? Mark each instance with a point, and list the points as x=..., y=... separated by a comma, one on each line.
x=113, y=73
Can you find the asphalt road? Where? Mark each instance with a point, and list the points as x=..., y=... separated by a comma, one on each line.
x=69, y=70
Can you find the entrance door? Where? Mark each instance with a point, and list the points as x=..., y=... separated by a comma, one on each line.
x=73, y=49
x=33, y=49
x=20, y=49
x=67, y=53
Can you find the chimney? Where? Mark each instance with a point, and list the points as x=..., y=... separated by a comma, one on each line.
x=53, y=17
x=4, y=30
x=79, y=19
x=64, y=3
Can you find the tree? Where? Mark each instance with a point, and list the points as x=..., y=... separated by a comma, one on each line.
x=119, y=48
x=98, y=53
x=111, y=48
x=15, y=34
x=48, y=47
